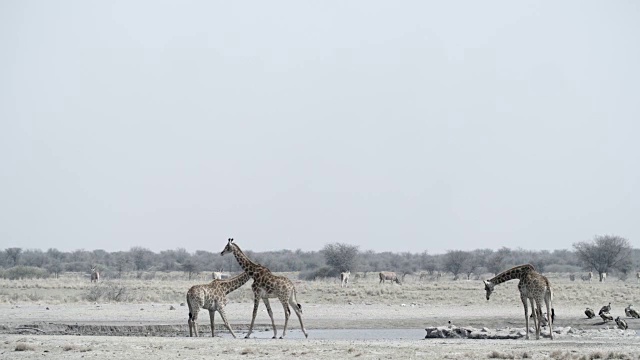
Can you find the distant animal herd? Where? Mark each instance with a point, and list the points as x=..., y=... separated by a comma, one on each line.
x=535, y=290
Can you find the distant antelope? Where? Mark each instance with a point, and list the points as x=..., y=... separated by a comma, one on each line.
x=221, y=275
x=344, y=278
x=389, y=275
x=95, y=275
x=590, y=275
x=585, y=278
x=603, y=277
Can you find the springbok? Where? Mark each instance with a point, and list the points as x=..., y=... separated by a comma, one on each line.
x=221, y=275
x=389, y=275
x=95, y=275
x=344, y=278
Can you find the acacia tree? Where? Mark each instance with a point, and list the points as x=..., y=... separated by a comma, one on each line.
x=340, y=257
x=605, y=253
x=456, y=261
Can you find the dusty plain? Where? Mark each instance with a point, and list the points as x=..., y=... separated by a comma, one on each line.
x=132, y=318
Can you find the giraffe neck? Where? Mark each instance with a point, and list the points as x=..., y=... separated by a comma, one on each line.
x=517, y=272
x=235, y=282
x=247, y=265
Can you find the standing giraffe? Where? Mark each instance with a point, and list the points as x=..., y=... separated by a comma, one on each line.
x=344, y=278
x=212, y=296
x=95, y=275
x=267, y=285
x=533, y=287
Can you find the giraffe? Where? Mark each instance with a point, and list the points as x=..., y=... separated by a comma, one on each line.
x=212, y=296
x=267, y=285
x=533, y=287
x=344, y=278
x=95, y=275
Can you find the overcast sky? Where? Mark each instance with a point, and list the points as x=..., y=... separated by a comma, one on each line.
x=394, y=126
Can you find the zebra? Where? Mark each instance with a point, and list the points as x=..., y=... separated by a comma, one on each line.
x=344, y=278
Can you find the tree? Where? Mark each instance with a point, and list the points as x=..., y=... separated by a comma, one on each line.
x=141, y=257
x=495, y=262
x=340, y=257
x=13, y=254
x=605, y=253
x=456, y=261
x=190, y=268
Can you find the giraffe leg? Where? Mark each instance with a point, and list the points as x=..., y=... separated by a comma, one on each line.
x=256, y=300
x=226, y=323
x=287, y=312
x=526, y=315
x=547, y=301
x=536, y=317
x=273, y=323
x=212, y=315
x=193, y=323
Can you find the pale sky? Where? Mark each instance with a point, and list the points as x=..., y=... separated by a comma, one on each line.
x=394, y=126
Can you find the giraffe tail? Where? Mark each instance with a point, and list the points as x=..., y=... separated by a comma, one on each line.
x=553, y=315
x=295, y=300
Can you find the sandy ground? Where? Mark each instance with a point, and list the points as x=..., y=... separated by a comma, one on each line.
x=152, y=330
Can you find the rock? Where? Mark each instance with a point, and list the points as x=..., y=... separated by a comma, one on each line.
x=181, y=304
x=171, y=307
x=485, y=329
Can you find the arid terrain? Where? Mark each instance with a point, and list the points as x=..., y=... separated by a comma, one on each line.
x=142, y=317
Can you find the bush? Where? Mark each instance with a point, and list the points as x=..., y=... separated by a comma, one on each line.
x=107, y=292
x=24, y=272
x=323, y=272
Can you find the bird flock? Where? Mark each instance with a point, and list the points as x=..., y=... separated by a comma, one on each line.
x=605, y=314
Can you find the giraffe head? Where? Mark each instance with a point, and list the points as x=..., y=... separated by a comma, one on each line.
x=488, y=287
x=228, y=248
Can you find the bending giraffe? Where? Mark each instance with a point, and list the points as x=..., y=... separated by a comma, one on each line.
x=212, y=296
x=95, y=275
x=267, y=285
x=533, y=288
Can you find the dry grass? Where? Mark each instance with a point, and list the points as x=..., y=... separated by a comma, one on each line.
x=498, y=355
x=172, y=287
